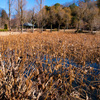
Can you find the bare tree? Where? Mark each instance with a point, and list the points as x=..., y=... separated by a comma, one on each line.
x=17, y=16
x=80, y=14
x=91, y=14
x=9, y=14
x=40, y=13
x=52, y=16
x=67, y=17
x=33, y=18
x=18, y=11
x=30, y=16
x=10, y=4
x=60, y=16
x=40, y=4
x=20, y=6
x=96, y=22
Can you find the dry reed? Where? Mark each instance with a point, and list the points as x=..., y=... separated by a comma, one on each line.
x=40, y=67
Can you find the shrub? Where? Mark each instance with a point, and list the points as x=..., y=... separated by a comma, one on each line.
x=5, y=26
x=3, y=30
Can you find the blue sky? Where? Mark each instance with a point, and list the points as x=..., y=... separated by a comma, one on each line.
x=32, y=3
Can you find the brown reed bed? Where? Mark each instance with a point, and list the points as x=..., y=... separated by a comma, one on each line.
x=39, y=66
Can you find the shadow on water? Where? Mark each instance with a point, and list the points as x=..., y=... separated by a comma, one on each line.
x=67, y=62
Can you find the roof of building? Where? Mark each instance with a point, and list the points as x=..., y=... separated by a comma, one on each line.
x=27, y=24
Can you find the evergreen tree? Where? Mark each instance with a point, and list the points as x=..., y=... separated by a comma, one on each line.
x=98, y=3
x=4, y=18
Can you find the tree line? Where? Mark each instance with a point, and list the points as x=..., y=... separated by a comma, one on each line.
x=83, y=15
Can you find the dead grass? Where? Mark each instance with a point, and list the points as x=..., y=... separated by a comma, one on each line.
x=39, y=66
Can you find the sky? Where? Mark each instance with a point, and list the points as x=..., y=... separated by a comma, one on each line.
x=32, y=3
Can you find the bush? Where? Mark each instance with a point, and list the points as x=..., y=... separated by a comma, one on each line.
x=3, y=30
x=5, y=26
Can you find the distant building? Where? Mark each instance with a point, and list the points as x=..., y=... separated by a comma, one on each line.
x=27, y=25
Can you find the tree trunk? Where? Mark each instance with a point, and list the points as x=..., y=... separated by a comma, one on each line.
x=51, y=28
x=10, y=15
x=78, y=27
x=59, y=27
x=91, y=30
x=21, y=27
x=33, y=29
x=67, y=25
x=18, y=23
x=64, y=29
x=42, y=29
x=21, y=17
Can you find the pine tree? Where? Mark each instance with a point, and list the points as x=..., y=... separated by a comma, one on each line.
x=98, y=3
